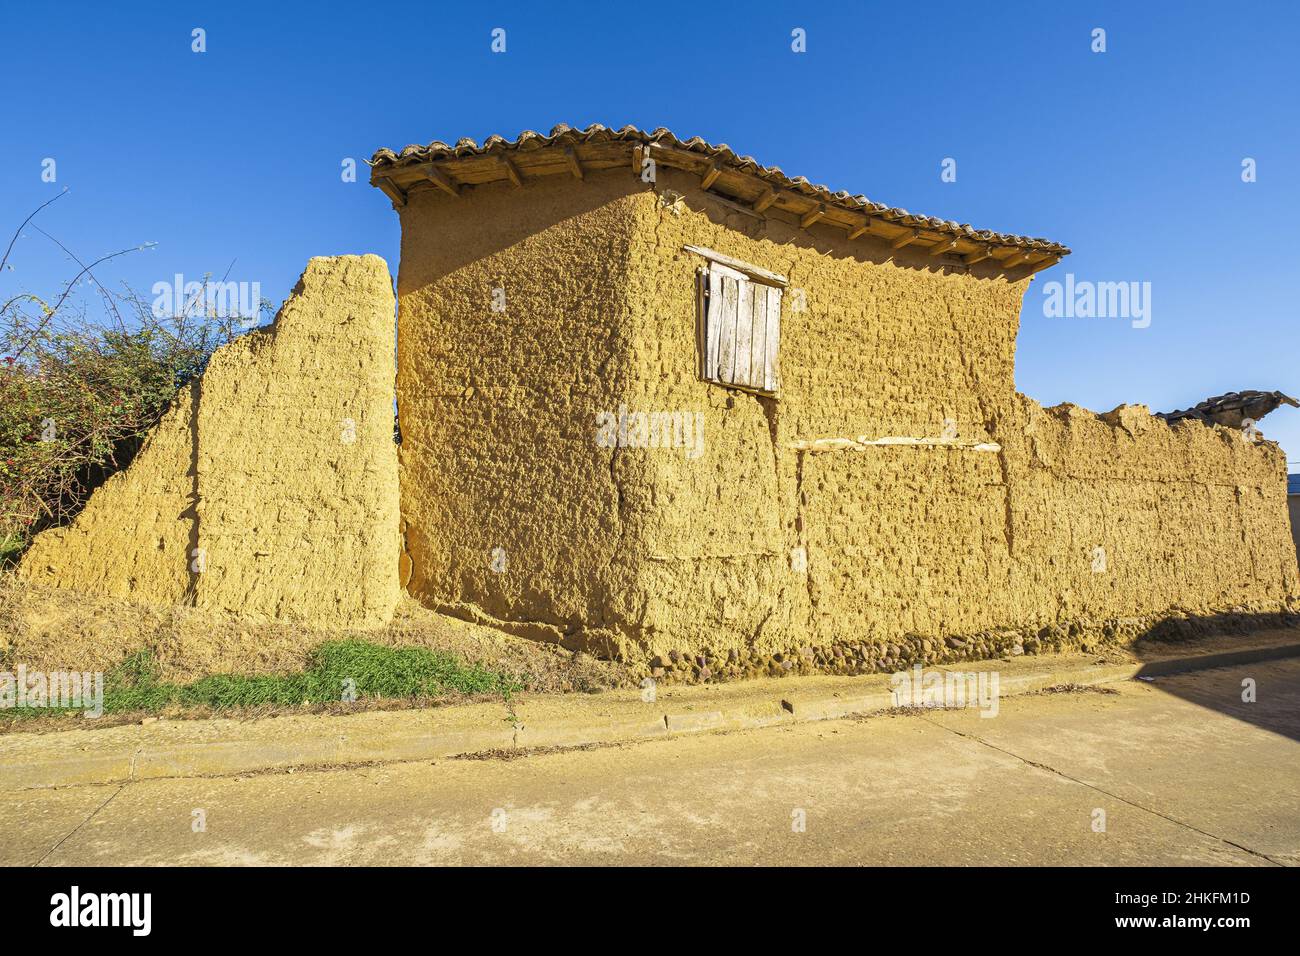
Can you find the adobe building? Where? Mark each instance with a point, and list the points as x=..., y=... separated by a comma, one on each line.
x=661, y=403
x=655, y=397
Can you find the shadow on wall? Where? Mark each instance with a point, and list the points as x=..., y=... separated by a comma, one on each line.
x=191, y=513
x=509, y=220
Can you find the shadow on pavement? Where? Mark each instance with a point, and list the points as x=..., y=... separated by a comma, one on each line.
x=1225, y=681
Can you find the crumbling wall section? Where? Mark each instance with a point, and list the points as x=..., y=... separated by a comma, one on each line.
x=134, y=536
x=1081, y=524
x=269, y=489
x=1124, y=516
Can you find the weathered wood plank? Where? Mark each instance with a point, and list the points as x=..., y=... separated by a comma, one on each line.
x=742, y=267
x=712, y=323
x=727, y=302
x=758, y=336
x=905, y=238
x=391, y=190
x=744, y=333
x=512, y=171
x=441, y=180
x=711, y=174
x=772, y=341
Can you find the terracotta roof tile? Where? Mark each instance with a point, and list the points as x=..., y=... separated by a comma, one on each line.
x=773, y=175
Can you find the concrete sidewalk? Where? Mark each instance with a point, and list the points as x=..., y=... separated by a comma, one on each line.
x=1173, y=772
x=224, y=747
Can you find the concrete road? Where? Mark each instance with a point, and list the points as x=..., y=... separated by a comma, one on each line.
x=1179, y=771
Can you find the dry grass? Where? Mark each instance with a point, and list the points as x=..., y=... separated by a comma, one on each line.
x=53, y=629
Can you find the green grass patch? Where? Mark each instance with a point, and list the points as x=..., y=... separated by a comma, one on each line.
x=337, y=671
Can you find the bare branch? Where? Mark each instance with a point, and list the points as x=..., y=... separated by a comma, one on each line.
x=108, y=298
x=68, y=291
x=19, y=230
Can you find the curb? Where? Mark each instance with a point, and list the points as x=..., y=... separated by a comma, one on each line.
x=226, y=747
x=1204, y=662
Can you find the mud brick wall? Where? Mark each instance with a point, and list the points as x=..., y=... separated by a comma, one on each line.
x=762, y=544
x=924, y=541
x=772, y=548
x=905, y=541
x=510, y=510
x=133, y=538
x=1190, y=519
x=269, y=489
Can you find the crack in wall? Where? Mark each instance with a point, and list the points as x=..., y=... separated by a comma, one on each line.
x=990, y=422
x=191, y=513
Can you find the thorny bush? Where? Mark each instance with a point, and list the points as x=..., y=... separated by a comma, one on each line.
x=83, y=376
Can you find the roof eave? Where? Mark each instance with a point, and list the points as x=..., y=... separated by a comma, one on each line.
x=739, y=179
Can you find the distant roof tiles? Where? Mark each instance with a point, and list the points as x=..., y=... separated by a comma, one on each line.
x=1233, y=408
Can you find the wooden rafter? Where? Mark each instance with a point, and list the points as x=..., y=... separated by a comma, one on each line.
x=391, y=190
x=512, y=170
x=944, y=245
x=812, y=215
x=861, y=230
x=571, y=157
x=441, y=180
x=907, y=237
x=765, y=200
x=711, y=174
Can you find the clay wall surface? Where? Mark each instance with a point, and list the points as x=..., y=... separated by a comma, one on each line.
x=269, y=488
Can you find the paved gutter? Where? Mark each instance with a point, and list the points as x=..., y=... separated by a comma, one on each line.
x=224, y=747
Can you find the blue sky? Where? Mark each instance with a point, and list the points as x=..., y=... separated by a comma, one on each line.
x=1131, y=157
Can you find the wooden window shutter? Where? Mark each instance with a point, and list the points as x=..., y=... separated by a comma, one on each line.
x=742, y=330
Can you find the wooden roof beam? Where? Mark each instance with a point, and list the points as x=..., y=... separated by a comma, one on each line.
x=1048, y=260
x=944, y=245
x=908, y=237
x=812, y=215
x=512, y=171
x=979, y=255
x=571, y=157
x=392, y=191
x=441, y=180
x=711, y=174
x=765, y=200
x=861, y=230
